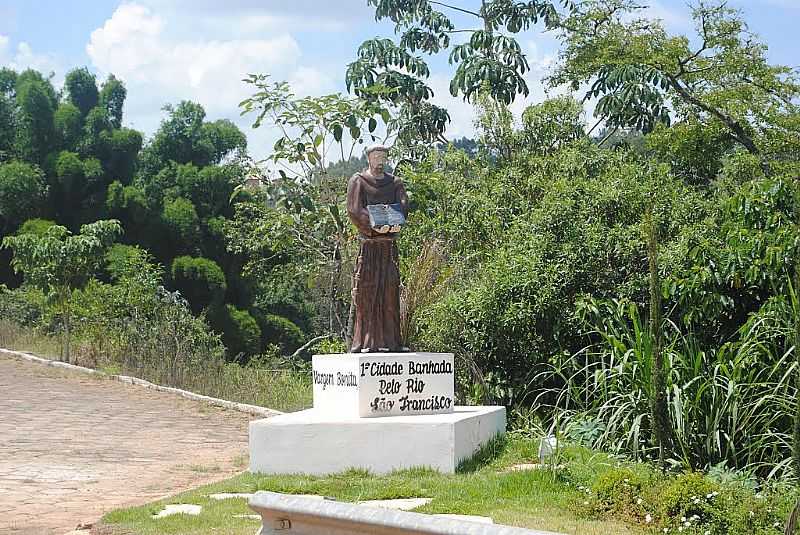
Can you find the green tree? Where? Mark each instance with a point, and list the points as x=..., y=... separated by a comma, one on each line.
x=81, y=86
x=390, y=71
x=8, y=81
x=129, y=205
x=112, y=99
x=68, y=187
x=182, y=225
x=58, y=262
x=122, y=152
x=311, y=128
x=643, y=75
x=552, y=125
x=37, y=227
x=23, y=193
x=184, y=137
x=68, y=124
x=35, y=127
x=219, y=139
x=200, y=281
x=7, y=127
x=240, y=331
x=96, y=128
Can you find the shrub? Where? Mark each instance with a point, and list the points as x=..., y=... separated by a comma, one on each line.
x=621, y=490
x=200, y=280
x=240, y=331
x=35, y=226
x=122, y=259
x=23, y=192
x=23, y=306
x=570, y=225
x=687, y=496
x=182, y=225
x=281, y=331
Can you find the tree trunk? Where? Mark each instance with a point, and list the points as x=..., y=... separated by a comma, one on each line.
x=658, y=403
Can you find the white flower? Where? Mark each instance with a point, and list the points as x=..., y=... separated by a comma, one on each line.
x=666, y=530
x=752, y=514
x=707, y=532
x=638, y=501
x=710, y=495
x=687, y=524
x=776, y=525
x=585, y=503
x=680, y=528
x=648, y=518
x=695, y=518
x=683, y=519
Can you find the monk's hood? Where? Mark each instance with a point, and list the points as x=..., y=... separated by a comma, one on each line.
x=379, y=182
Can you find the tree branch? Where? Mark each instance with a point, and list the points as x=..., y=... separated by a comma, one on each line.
x=589, y=133
x=737, y=130
x=309, y=344
x=461, y=9
x=608, y=136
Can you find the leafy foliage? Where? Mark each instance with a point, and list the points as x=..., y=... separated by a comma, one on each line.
x=639, y=72
x=22, y=193
x=200, y=281
x=390, y=72
x=57, y=262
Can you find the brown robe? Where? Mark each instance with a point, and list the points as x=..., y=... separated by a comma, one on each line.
x=376, y=281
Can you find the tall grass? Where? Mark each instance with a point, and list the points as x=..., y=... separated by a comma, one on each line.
x=259, y=382
x=730, y=407
x=424, y=281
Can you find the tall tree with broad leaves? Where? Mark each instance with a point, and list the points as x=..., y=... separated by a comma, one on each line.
x=643, y=76
x=491, y=56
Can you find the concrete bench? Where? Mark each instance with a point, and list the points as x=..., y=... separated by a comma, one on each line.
x=283, y=514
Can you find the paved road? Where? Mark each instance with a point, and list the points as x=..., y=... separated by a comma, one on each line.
x=74, y=446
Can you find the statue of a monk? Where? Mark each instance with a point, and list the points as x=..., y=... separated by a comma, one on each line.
x=376, y=281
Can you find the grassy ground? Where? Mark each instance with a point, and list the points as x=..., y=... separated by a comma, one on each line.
x=540, y=499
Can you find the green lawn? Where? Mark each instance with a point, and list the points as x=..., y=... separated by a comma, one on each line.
x=541, y=499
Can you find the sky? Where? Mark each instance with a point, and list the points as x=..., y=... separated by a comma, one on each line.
x=172, y=50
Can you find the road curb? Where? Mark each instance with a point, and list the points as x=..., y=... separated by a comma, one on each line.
x=241, y=407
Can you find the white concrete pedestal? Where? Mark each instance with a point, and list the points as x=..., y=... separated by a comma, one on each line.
x=313, y=442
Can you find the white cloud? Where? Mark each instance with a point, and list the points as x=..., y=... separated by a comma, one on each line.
x=24, y=57
x=145, y=49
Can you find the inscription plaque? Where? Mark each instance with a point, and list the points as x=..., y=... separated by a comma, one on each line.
x=383, y=384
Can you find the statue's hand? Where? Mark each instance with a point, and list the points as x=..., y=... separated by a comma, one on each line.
x=395, y=228
x=384, y=229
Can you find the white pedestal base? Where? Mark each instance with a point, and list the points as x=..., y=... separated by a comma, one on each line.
x=311, y=442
